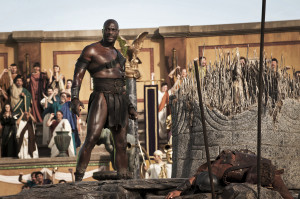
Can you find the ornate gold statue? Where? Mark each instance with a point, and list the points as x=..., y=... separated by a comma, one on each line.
x=131, y=52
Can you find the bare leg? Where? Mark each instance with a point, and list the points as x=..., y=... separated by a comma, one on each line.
x=121, y=160
x=96, y=120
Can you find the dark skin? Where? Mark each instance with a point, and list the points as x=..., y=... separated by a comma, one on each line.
x=97, y=54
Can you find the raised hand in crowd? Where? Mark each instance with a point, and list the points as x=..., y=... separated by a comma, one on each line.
x=52, y=115
x=49, y=122
x=4, y=71
x=20, y=118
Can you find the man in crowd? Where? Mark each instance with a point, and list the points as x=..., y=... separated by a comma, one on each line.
x=109, y=105
x=20, y=98
x=40, y=179
x=37, y=84
x=29, y=183
x=274, y=64
x=159, y=169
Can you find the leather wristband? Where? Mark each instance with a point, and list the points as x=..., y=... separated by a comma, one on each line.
x=75, y=92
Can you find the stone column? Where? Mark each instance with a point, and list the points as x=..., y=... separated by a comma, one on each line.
x=133, y=124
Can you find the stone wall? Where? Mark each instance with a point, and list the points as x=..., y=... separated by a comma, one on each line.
x=280, y=138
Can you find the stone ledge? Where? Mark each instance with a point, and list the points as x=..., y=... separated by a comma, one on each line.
x=11, y=163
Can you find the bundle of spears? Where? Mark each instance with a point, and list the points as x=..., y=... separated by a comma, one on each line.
x=231, y=85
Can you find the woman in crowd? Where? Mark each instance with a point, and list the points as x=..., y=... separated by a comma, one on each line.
x=9, y=142
x=60, y=124
x=57, y=80
x=27, y=147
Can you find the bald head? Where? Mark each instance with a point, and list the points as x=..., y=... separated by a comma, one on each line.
x=109, y=21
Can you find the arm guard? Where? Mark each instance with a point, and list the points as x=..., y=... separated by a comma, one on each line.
x=81, y=63
x=185, y=186
x=75, y=92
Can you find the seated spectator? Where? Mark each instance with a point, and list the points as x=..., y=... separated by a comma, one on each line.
x=9, y=131
x=60, y=124
x=68, y=86
x=29, y=183
x=27, y=147
x=40, y=179
x=57, y=80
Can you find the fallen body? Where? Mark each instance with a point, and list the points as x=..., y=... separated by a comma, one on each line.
x=238, y=167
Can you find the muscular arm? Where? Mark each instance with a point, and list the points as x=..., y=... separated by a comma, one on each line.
x=79, y=72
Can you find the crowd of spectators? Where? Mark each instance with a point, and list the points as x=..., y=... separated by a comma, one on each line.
x=39, y=97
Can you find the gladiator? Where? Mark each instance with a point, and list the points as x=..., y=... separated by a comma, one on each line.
x=109, y=105
x=233, y=167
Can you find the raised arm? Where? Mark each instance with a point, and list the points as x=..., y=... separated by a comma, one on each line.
x=32, y=118
x=4, y=71
x=11, y=81
x=79, y=72
x=21, y=179
x=49, y=122
x=20, y=118
x=171, y=74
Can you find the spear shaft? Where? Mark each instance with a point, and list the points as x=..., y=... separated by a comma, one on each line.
x=260, y=84
x=204, y=128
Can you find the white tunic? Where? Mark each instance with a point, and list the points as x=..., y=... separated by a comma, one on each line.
x=59, y=127
x=155, y=169
x=23, y=154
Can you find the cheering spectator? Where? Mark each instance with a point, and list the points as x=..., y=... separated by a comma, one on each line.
x=40, y=179
x=26, y=133
x=37, y=84
x=60, y=124
x=57, y=80
x=29, y=183
x=20, y=97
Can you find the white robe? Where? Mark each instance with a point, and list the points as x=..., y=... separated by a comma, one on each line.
x=162, y=116
x=23, y=154
x=52, y=145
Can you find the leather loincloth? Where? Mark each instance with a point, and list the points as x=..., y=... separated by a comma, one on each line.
x=116, y=99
